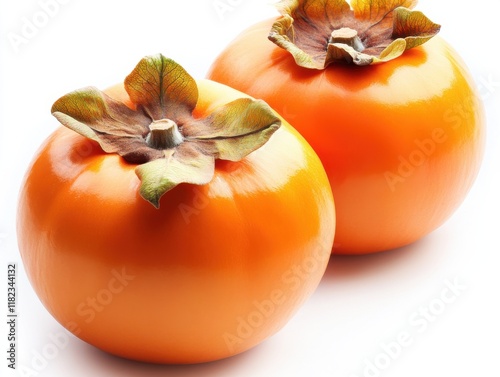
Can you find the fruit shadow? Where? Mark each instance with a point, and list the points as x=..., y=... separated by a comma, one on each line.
x=415, y=259
x=104, y=364
x=341, y=270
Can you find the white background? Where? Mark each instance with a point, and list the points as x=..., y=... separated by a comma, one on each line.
x=361, y=304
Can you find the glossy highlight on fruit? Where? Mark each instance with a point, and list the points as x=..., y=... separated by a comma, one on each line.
x=402, y=140
x=211, y=271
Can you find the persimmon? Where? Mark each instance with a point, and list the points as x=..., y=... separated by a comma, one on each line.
x=390, y=108
x=182, y=222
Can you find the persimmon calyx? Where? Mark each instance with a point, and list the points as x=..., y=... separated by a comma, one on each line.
x=321, y=32
x=161, y=135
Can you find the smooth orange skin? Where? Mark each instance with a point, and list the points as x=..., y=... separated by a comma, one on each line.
x=192, y=272
x=364, y=123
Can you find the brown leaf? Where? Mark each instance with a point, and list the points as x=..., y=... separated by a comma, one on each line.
x=306, y=26
x=165, y=96
x=97, y=116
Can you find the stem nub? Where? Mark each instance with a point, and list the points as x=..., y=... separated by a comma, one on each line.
x=347, y=36
x=164, y=134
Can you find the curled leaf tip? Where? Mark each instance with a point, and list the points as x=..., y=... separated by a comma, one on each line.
x=169, y=145
x=318, y=33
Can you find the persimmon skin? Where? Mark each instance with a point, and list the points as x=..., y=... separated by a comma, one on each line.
x=402, y=142
x=211, y=273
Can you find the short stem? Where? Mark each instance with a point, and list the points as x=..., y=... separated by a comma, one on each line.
x=164, y=134
x=347, y=36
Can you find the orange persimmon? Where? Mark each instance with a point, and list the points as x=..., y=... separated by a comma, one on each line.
x=400, y=131
x=221, y=262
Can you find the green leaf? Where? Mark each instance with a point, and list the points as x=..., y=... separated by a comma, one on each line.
x=184, y=165
x=414, y=27
x=237, y=128
x=240, y=127
x=162, y=88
